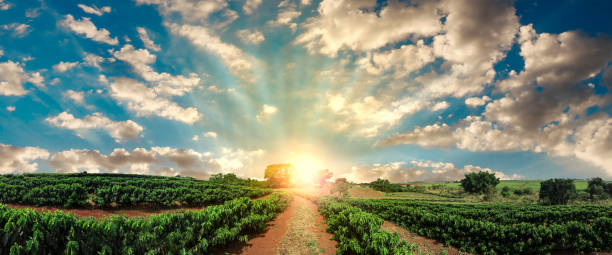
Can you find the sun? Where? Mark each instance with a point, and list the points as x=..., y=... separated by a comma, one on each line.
x=306, y=169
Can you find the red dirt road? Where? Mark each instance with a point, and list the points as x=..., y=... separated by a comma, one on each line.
x=300, y=229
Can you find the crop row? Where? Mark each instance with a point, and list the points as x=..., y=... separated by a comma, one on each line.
x=358, y=232
x=461, y=226
x=501, y=213
x=117, y=191
x=31, y=232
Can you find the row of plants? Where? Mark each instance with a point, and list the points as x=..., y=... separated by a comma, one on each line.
x=501, y=213
x=113, y=190
x=27, y=231
x=359, y=232
x=501, y=229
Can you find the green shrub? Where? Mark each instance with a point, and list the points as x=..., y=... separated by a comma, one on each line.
x=479, y=182
x=557, y=191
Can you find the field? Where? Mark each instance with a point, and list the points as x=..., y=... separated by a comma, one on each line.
x=133, y=214
x=515, y=184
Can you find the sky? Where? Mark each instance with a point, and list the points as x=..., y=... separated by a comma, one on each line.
x=403, y=90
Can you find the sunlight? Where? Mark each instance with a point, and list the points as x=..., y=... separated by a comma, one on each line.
x=307, y=167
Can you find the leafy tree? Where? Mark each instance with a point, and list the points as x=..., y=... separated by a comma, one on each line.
x=479, y=182
x=596, y=187
x=279, y=175
x=557, y=191
x=341, y=186
x=322, y=176
x=386, y=186
x=505, y=191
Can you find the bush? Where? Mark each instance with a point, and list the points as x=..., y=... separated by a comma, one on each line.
x=479, y=182
x=505, y=191
x=386, y=186
x=596, y=188
x=557, y=191
x=341, y=186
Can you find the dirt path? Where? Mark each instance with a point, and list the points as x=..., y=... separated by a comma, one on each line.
x=300, y=229
x=426, y=245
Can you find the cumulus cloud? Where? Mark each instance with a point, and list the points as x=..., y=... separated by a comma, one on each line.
x=287, y=13
x=87, y=28
x=77, y=97
x=94, y=10
x=353, y=25
x=238, y=62
x=12, y=78
x=436, y=135
x=402, y=62
x=474, y=102
x=210, y=134
x=250, y=37
x=64, y=66
x=163, y=83
x=146, y=102
x=416, y=171
x=92, y=60
x=190, y=10
x=10, y=108
x=250, y=6
x=20, y=159
x=266, y=112
x=543, y=108
x=120, y=130
x=144, y=37
x=19, y=30
x=4, y=5
x=165, y=161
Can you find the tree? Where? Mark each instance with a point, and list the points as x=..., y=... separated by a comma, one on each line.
x=322, y=176
x=386, y=186
x=279, y=175
x=341, y=186
x=596, y=187
x=479, y=182
x=557, y=191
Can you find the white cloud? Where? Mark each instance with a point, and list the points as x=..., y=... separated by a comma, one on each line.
x=88, y=29
x=1, y=52
x=413, y=171
x=92, y=60
x=250, y=6
x=266, y=112
x=190, y=10
x=19, y=30
x=12, y=78
x=95, y=10
x=4, y=5
x=440, y=106
x=474, y=102
x=64, y=66
x=77, y=97
x=402, y=62
x=346, y=24
x=120, y=130
x=145, y=101
x=210, y=134
x=144, y=37
x=436, y=135
x=10, y=108
x=238, y=62
x=164, y=161
x=250, y=37
x=164, y=83
x=286, y=14
x=195, y=138
x=19, y=159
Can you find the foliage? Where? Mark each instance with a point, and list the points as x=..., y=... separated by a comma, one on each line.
x=597, y=188
x=31, y=232
x=106, y=190
x=358, y=232
x=505, y=191
x=386, y=186
x=498, y=228
x=279, y=175
x=322, y=176
x=232, y=179
x=557, y=191
x=341, y=186
x=479, y=182
x=523, y=191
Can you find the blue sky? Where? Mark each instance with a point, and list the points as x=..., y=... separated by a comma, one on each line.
x=403, y=90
